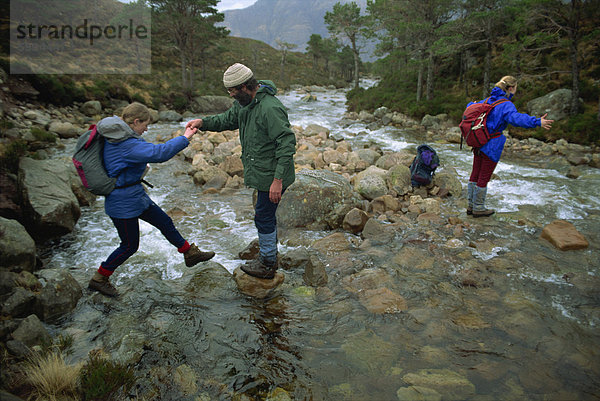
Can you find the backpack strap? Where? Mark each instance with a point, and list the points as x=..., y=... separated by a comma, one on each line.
x=92, y=136
x=142, y=181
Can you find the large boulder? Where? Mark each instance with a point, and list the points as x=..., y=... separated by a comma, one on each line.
x=370, y=183
x=318, y=199
x=556, y=103
x=169, y=115
x=91, y=108
x=49, y=203
x=59, y=294
x=207, y=104
x=17, y=248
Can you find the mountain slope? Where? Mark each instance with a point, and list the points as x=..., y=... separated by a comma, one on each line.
x=291, y=21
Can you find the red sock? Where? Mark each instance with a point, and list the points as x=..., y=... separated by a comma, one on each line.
x=184, y=248
x=105, y=272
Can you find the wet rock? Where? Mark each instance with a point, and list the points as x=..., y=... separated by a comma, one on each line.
x=50, y=205
x=370, y=183
x=355, y=220
x=186, y=379
x=212, y=280
x=314, y=272
x=367, y=279
x=378, y=232
x=411, y=257
x=332, y=244
x=389, y=160
x=314, y=129
x=131, y=348
x=564, y=236
x=232, y=165
x=384, y=204
x=257, y=287
x=251, y=251
x=451, y=384
x=19, y=304
x=58, y=296
x=317, y=200
x=398, y=179
x=369, y=353
x=382, y=300
x=31, y=332
x=418, y=393
x=17, y=248
x=448, y=179
x=295, y=258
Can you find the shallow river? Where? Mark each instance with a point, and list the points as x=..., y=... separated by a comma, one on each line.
x=525, y=332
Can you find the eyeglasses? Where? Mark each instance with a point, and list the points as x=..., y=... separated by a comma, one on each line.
x=235, y=88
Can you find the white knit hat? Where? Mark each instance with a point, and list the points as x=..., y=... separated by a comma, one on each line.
x=236, y=74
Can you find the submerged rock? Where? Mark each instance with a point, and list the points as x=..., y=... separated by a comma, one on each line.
x=257, y=287
x=564, y=236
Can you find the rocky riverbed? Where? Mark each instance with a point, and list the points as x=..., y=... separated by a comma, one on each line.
x=386, y=291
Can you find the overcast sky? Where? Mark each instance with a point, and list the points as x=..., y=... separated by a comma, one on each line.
x=223, y=4
x=233, y=4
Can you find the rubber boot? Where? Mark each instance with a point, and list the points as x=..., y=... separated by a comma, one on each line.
x=102, y=284
x=194, y=255
x=470, y=192
x=479, y=209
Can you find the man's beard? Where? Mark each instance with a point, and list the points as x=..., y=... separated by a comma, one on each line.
x=243, y=98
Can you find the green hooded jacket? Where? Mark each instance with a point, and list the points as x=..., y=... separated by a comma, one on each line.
x=268, y=142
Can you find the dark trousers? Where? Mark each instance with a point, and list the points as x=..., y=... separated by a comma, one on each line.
x=129, y=233
x=264, y=214
x=483, y=168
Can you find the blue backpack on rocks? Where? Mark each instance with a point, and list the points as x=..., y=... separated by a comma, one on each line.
x=423, y=166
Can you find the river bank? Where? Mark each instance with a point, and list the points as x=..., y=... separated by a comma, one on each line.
x=418, y=298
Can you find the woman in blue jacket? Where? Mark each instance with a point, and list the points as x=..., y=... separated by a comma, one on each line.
x=486, y=158
x=126, y=156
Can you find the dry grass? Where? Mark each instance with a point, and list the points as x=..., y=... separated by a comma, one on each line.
x=51, y=377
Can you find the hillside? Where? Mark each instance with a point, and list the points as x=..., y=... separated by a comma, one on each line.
x=291, y=21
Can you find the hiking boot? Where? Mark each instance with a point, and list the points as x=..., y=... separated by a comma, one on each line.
x=101, y=284
x=260, y=269
x=469, y=211
x=194, y=255
x=483, y=213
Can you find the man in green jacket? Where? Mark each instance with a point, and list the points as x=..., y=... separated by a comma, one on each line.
x=268, y=147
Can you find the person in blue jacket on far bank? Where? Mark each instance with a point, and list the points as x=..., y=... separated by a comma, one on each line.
x=126, y=156
x=487, y=157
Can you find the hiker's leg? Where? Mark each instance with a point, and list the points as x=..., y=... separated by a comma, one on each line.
x=155, y=216
x=129, y=233
x=486, y=170
x=266, y=225
x=475, y=170
x=159, y=219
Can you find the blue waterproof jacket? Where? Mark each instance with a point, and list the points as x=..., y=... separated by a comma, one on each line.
x=127, y=160
x=499, y=118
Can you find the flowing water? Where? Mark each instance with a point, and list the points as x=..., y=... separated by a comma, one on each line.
x=529, y=330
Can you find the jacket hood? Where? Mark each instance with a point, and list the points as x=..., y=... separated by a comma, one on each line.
x=267, y=86
x=497, y=93
x=114, y=129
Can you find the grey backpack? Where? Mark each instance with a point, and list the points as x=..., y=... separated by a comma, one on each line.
x=89, y=163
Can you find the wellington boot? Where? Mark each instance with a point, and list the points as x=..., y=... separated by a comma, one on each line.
x=479, y=209
x=258, y=268
x=101, y=284
x=194, y=255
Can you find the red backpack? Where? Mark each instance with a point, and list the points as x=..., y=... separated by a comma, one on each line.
x=473, y=126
